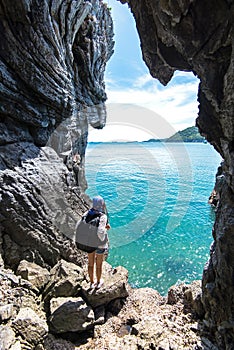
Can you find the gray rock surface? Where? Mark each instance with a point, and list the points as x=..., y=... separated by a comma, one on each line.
x=30, y=326
x=34, y=273
x=114, y=287
x=65, y=280
x=123, y=322
x=70, y=315
x=6, y=312
x=52, y=61
x=7, y=337
x=53, y=57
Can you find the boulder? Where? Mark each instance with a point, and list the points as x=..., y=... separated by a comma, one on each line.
x=54, y=343
x=142, y=303
x=6, y=311
x=16, y=346
x=34, y=273
x=151, y=331
x=7, y=337
x=188, y=295
x=30, y=326
x=65, y=280
x=114, y=287
x=70, y=315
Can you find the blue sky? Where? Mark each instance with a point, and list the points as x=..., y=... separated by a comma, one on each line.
x=128, y=82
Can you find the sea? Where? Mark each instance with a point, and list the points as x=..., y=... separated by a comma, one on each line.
x=157, y=199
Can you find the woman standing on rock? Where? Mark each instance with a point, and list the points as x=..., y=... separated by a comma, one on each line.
x=97, y=256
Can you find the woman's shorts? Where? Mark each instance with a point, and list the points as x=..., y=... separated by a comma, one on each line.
x=100, y=250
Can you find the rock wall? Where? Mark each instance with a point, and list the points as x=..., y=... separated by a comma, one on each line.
x=197, y=36
x=52, y=62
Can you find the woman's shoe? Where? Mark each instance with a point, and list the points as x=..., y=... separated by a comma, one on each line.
x=100, y=284
x=93, y=285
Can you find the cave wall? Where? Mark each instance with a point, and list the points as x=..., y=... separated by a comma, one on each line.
x=53, y=55
x=197, y=36
x=52, y=60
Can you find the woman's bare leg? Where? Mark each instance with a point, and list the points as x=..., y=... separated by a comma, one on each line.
x=91, y=260
x=99, y=260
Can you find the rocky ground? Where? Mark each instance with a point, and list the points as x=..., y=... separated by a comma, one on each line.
x=57, y=309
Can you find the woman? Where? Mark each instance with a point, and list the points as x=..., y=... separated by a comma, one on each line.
x=97, y=256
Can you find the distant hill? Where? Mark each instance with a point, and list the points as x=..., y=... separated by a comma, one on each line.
x=190, y=134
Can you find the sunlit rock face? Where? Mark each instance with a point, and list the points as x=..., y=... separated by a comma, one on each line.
x=53, y=55
x=197, y=36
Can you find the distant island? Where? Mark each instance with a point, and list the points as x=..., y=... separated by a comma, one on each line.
x=190, y=134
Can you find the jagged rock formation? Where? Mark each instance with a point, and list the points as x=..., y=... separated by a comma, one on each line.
x=197, y=36
x=31, y=312
x=62, y=317
x=52, y=60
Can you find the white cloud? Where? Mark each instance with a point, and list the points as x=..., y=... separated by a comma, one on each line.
x=142, y=80
x=118, y=133
x=176, y=103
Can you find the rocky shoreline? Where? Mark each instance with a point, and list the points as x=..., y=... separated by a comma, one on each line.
x=52, y=62
x=57, y=309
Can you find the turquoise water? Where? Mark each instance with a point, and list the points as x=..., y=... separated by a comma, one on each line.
x=156, y=194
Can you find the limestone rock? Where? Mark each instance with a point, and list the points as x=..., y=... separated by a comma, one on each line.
x=70, y=315
x=52, y=67
x=16, y=346
x=147, y=321
x=114, y=287
x=1, y=250
x=61, y=62
x=34, y=273
x=65, y=280
x=141, y=303
x=7, y=337
x=34, y=200
x=53, y=343
x=150, y=331
x=6, y=312
x=30, y=326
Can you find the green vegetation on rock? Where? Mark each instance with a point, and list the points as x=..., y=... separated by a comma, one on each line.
x=190, y=134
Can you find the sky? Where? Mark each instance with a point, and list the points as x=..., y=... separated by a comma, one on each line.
x=128, y=82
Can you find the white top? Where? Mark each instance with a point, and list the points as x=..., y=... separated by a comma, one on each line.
x=102, y=231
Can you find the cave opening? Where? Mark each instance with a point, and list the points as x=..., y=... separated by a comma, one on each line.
x=156, y=191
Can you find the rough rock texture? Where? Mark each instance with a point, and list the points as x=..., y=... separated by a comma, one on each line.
x=143, y=320
x=65, y=280
x=115, y=287
x=53, y=56
x=198, y=36
x=34, y=273
x=146, y=321
x=52, y=61
x=70, y=315
x=30, y=326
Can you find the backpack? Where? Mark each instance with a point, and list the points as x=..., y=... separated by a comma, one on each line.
x=86, y=233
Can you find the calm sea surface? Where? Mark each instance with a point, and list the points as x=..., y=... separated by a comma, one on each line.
x=156, y=194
